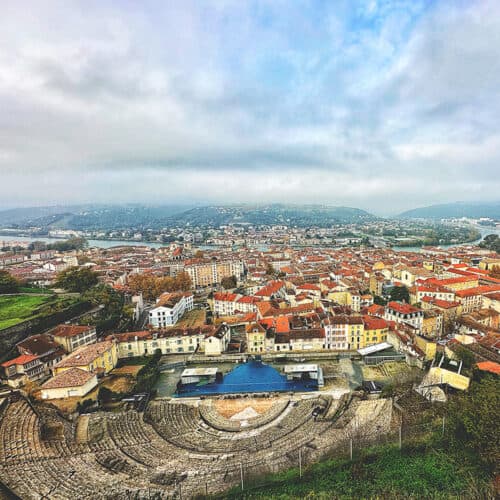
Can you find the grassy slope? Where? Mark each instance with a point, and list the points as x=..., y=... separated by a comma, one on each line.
x=384, y=473
x=17, y=308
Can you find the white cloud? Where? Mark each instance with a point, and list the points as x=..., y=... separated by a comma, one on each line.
x=237, y=101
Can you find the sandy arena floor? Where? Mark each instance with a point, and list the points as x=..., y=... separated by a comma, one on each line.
x=229, y=407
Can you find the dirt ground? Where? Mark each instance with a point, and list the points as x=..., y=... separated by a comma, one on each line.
x=127, y=370
x=390, y=372
x=118, y=383
x=192, y=319
x=229, y=407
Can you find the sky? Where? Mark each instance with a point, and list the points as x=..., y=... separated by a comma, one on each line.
x=384, y=105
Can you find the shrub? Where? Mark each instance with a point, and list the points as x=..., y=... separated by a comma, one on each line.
x=148, y=375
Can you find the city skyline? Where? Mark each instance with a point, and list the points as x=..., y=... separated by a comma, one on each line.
x=384, y=106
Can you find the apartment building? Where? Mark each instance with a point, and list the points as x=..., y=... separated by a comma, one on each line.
x=71, y=337
x=172, y=341
x=212, y=272
x=169, y=309
x=375, y=330
x=99, y=358
x=472, y=298
x=228, y=304
x=337, y=332
x=404, y=313
x=23, y=369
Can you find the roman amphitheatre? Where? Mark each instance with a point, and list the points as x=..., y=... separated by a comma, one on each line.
x=176, y=447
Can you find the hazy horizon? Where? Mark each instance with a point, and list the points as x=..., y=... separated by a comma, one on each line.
x=379, y=105
x=187, y=206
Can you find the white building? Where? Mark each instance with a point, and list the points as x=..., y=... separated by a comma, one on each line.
x=218, y=342
x=228, y=304
x=170, y=308
x=404, y=313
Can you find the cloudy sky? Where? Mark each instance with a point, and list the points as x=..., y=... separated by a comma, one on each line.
x=378, y=104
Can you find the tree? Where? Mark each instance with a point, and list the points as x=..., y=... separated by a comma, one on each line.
x=70, y=244
x=77, y=279
x=8, y=284
x=143, y=283
x=270, y=271
x=400, y=294
x=104, y=295
x=229, y=282
x=153, y=286
x=105, y=395
x=365, y=240
x=465, y=355
x=495, y=272
x=37, y=246
x=379, y=300
x=182, y=282
x=491, y=242
x=474, y=418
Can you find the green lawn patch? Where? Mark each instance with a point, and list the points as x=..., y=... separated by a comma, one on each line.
x=15, y=309
x=383, y=473
x=34, y=289
x=139, y=360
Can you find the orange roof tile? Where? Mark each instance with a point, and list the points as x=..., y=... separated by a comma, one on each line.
x=489, y=366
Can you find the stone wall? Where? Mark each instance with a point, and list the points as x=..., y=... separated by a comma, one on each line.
x=10, y=336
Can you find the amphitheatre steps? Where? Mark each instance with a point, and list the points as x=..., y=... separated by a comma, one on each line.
x=127, y=454
x=81, y=432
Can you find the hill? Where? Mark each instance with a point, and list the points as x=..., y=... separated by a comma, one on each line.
x=25, y=215
x=90, y=217
x=454, y=210
x=87, y=218
x=275, y=214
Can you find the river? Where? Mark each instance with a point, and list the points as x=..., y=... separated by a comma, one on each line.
x=6, y=240
x=482, y=229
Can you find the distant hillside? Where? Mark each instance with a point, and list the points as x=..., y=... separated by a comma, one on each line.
x=89, y=217
x=25, y=215
x=86, y=217
x=450, y=210
x=276, y=214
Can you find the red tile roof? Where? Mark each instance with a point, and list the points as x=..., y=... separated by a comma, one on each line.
x=70, y=330
x=73, y=377
x=225, y=296
x=452, y=281
x=20, y=360
x=489, y=366
x=443, y=304
x=309, y=286
x=270, y=289
x=402, y=308
x=478, y=290
x=374, y=323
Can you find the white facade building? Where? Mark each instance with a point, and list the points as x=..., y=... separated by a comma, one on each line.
x=171, y=307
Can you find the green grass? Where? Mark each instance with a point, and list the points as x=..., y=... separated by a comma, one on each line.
x=17, y=308
x=138, y=360
x=34, y=289
x=421, y=472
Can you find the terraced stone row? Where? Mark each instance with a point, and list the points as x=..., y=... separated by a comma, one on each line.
x=127, y=457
